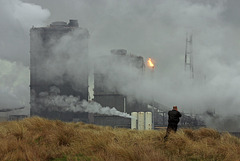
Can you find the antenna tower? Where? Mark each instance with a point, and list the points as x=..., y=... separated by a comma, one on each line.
x=189, y=56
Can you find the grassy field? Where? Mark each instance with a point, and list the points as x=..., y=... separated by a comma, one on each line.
x=38, y=139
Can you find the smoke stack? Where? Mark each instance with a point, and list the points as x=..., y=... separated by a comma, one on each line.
x=73, y=23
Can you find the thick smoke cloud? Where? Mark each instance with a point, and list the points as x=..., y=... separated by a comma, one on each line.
x=16, y=18
x=66, y=59
x=158, y=29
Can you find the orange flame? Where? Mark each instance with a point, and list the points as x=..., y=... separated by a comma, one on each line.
x=150, y=63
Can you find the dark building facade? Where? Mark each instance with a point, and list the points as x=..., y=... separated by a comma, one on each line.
x=58, y=55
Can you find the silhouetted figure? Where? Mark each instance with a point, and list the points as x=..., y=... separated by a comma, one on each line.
x=173, y=120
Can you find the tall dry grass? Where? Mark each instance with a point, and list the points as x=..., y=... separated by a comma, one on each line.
x=38, y=139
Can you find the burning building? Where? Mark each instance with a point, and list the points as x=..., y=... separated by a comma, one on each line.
x=58, y=66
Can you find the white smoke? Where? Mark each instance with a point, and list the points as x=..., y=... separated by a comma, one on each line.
x=52, y=101
x=222, y=123
x=157, y=29
x=16, y=18
x=14, y=91
x=66, y=60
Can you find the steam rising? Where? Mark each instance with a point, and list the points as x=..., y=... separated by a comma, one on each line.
x=155, y=29
x=55, y=102
x=16, y=18
x=13, y=87
x=158, y=30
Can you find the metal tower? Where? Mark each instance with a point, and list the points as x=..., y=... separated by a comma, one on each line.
x=189, y=56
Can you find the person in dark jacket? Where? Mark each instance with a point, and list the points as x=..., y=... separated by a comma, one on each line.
x=173, y=120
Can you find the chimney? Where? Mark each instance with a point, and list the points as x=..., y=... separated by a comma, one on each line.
x=73, y=23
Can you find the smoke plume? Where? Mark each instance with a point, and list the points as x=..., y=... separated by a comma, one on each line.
x=52, y=101
x=16, y=18
x=158, y=30
x=154, y=29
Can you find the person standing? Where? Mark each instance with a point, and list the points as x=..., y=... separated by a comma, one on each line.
x=173, y=120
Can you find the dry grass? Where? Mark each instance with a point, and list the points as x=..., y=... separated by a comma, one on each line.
x=38, y=139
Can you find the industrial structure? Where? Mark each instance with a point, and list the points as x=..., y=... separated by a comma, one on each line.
x=57, y=53
x=189, y=55
x=59, y=67
x=12, y=114
x=106, y=91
